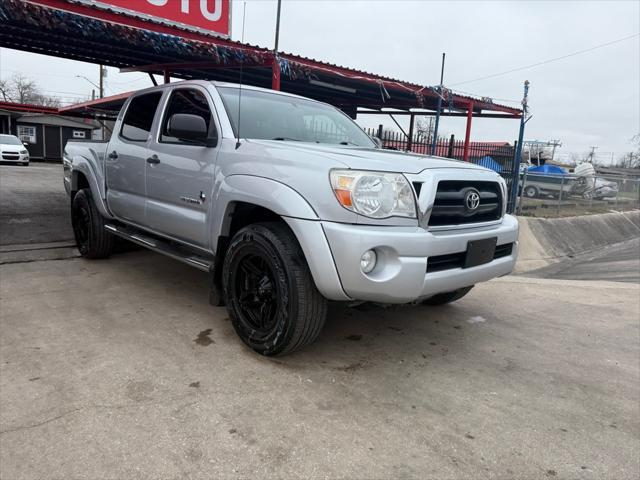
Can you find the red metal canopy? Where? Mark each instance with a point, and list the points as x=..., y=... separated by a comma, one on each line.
x=65, y=28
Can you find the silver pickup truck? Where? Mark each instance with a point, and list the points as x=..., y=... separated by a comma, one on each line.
x=287, y=203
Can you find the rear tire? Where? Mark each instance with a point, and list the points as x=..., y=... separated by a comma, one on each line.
x=274, y=305
x=92, y=240
x=447, y=297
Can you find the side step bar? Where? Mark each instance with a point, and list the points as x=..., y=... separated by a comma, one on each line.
x=161, y=246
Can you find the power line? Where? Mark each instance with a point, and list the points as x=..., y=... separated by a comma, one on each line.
x=544, y=62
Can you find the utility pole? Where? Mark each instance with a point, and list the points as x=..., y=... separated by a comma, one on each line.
x=440, y=93
x=592, y=154
x=554, y=144
x=515, y=179
x=275, y=48
x=101, y=81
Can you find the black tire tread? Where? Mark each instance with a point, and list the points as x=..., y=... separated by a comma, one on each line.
x=100, y=241
x=311, y=309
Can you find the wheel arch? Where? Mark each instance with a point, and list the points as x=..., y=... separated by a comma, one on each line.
x=83, y=176
x=245, y=199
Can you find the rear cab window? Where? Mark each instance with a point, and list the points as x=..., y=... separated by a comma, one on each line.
x=138, y=119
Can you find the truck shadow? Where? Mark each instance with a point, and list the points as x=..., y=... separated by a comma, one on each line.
x=353, y=339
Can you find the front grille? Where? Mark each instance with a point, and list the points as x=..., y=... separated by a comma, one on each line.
x=10, y=156
x=449, y=207
x=456, y=260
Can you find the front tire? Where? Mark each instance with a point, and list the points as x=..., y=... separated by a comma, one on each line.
x=92, y=240
x=447, y=297
x=274, y=305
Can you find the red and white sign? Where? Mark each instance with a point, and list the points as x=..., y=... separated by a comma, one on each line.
x=205, y=16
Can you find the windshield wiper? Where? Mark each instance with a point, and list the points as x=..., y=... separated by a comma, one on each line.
x=283, y=139
x=349, y=143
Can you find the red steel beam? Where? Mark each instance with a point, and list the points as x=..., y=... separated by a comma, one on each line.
x=467, y=136
x=96, y=103
x=275, y=74
x=178, y=66
x=27, y=107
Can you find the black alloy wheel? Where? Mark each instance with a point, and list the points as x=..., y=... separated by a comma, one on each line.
x=92, y=240
x=81, y=221
x=272, y=300
x=257, y=292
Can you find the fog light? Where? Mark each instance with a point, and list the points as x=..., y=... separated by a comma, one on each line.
x=368, y=261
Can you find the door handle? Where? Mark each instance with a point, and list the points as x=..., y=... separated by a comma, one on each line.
x=113, y=155
x=153, y=160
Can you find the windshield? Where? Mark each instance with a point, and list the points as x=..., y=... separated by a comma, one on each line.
x=9, y=140
x=270, y=116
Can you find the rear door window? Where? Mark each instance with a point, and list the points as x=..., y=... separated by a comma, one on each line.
x=138, y=120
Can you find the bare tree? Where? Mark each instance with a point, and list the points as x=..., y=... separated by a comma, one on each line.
x=24, y=89
x=46, y=101
x=424, y=129
x=21, y=89
x=631, y=159
x=5, y=90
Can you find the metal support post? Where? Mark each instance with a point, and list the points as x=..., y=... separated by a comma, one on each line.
x=516, y=163
x=467, y=136
x=440, y=93
x=275, y=74
x=560, y=194
x=410, y=137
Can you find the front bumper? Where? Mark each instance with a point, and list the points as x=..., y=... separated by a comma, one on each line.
x=11, y=157
x=400, y=275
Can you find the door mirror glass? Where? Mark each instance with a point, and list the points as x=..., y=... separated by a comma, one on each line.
x=187, y=127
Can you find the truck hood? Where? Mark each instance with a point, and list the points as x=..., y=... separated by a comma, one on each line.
x=360, y=158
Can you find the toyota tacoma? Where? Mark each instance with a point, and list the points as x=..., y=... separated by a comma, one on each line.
x=287, y=204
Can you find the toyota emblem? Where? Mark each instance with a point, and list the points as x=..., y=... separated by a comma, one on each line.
x=472, y=200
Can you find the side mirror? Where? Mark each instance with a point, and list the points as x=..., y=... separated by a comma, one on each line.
x=187, y=127
x=26, y=144
x=377, y=141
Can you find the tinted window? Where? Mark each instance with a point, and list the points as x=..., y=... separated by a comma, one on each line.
x=192, y=102
x=139, y=118
x=271, y=116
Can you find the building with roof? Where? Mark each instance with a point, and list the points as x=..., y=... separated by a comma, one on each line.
x=44, y=132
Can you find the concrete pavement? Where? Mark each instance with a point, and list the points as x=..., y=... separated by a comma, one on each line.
x=34, y=207
x=120, y=369
x=617, y=263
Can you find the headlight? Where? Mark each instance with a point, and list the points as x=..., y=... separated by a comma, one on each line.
x=374, y=194
x=23, y=152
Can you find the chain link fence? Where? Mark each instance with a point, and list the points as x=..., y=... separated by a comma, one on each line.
x=557, y=195
x=539, y=195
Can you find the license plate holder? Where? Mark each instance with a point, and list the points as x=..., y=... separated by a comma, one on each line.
x=480, y=252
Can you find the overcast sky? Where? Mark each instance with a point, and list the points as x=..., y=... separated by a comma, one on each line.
x=591, y=99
